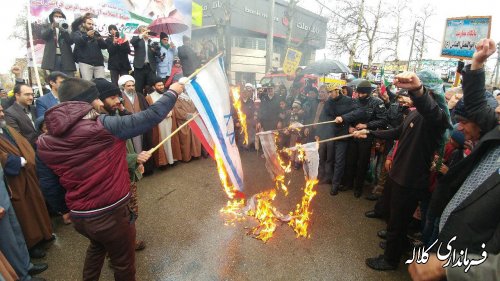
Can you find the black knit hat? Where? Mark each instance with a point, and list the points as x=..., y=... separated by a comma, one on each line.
x=364, y=87
x=106, y=89
x=76, y=89
x=156, y=80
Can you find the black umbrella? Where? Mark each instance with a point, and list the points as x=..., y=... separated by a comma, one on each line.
x=354, y=83
x=325, y=67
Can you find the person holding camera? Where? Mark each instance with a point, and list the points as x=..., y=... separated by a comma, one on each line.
x=57, y=54
x=118, y=50
x=88, y=45
x=168, y=51
x=145, y=53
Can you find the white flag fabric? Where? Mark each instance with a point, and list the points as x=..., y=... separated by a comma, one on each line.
x=269, y=148
x=209, y=91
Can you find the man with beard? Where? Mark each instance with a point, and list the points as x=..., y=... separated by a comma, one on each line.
x=419, y=137
x=359, y=149
x=135, y=103
x=110, y=94
x=171, y=149
x=86, y=150
x=21, y=115
x=466, y=198
x=18, y=160
x=88, y=45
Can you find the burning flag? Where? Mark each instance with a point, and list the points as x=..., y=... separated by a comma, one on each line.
x=209, y=91
x=302, y=214
x=242, y=117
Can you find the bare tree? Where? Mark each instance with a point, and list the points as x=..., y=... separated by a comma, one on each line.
x=370, y=30
x=345, y=28
x=398, y=12
x=426, y=12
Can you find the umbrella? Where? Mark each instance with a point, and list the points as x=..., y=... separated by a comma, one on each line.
x=324, y=67
x=169, y=25
x=354, y=83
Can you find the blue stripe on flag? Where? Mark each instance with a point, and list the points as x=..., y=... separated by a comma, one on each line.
x=218, y=130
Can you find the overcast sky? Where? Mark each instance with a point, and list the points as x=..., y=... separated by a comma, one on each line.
x=442, y=9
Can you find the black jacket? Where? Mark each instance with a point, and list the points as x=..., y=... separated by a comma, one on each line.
x=189, y=60
x=87, y=49
x=419, y=137
x=118, y=55
x=269, y=112
x=375, y=113
x=475, y=220
x=140, y=53
x=49, y=52
x=346, y=108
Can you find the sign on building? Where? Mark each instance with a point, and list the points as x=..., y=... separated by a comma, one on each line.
x=292, y=61
x=461, y=35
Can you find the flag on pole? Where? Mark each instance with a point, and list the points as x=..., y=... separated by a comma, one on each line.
x=209, y=91
x=383, y=82
x=200, y=130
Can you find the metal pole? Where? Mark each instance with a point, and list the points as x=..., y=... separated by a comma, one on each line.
x=498, y=64
x=411, y=47
x=270, y=36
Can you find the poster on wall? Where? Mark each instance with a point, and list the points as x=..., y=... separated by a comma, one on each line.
x=127, y=15
x=461, y=35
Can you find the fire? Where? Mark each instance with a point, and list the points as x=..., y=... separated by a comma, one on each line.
x=302, y=214
x=224, y=179
x=241, y=116
x=234, y=209
x=264, y=213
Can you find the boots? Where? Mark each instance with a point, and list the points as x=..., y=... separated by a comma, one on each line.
x=334, y=191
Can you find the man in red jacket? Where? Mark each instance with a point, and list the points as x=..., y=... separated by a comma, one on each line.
x=87, y=151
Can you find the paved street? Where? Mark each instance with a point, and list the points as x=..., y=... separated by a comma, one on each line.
x=187, y=239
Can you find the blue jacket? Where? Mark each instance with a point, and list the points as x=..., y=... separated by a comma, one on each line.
x=45, y=102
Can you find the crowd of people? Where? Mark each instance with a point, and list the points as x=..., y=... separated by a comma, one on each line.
x=430, y=155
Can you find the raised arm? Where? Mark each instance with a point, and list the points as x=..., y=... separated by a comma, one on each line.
x=474, y=87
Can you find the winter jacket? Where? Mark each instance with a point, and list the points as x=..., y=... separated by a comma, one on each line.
x=475, y=220
x=87, y=151
x=49, y=52
x=375, y=113
x=419, y=137
x=88, y=49
x=346, y=108
x=118, y=55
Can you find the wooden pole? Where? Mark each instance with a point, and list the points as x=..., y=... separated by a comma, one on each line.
x=152, y=150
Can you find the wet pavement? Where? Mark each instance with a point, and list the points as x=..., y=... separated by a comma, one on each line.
x=187, y=240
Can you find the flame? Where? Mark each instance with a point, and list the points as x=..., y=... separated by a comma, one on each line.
x=265, y=215
x=224, y=179
x=302, y=214
x=234, y=209
x=241, y=116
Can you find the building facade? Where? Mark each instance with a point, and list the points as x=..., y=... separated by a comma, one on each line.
x=241, y=28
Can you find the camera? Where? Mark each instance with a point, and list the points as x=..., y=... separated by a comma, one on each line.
x=64, y=24
x=97, y=34
x=155, y=47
